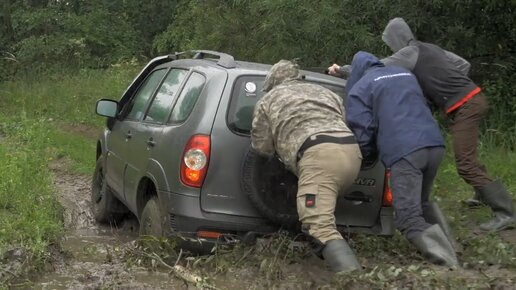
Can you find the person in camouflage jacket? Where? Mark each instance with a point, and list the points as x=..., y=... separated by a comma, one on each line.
x=303, y=123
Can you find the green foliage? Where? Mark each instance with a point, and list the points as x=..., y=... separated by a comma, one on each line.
x=43, y=36
x=94, y=39
x=29, y=211
x=333, y=31
x=267, y=31
x=65, y=96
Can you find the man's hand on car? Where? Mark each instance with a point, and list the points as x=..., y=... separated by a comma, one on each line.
x=334, y=70
x=343, y=71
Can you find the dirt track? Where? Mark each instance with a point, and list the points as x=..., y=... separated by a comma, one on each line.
x=96, y=257
x=92, y=256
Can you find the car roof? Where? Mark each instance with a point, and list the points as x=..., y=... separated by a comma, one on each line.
x=233, y=67
x=246, y=68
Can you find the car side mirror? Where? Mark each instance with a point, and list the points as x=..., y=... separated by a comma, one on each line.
x=107, y=108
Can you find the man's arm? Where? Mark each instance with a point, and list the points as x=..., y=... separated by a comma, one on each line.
x=462, y=64
x=339, y=71
x=405, y=57
x=261, y=132
x=360, y=119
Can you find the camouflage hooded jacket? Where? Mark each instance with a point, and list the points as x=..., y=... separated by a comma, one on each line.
x=292, y=111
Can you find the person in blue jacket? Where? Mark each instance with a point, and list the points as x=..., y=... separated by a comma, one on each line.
x=387, y=112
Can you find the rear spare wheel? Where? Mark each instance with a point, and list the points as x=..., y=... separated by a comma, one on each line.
x=271, y=188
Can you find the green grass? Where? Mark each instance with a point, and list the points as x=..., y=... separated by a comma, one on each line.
x=30, y=215
x=36, y=114
x=64, y=97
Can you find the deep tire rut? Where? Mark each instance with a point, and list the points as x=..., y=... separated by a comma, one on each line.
x=92, y=256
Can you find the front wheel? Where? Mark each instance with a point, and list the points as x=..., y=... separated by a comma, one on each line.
x=105, y=206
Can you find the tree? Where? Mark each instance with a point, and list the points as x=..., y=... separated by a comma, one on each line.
x=7, y=27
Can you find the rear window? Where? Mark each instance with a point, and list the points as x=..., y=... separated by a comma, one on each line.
x=246, y=92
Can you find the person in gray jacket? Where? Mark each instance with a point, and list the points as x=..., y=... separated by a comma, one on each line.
x=443, y=76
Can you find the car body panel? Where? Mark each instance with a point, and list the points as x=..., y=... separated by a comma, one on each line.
x=139, y=158
x=169, y=150
x=118, y=146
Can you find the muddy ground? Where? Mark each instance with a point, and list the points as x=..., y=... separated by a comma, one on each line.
x=92, y=256
x=112, y=257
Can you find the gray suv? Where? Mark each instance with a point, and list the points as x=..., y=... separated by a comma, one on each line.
x=176, y=153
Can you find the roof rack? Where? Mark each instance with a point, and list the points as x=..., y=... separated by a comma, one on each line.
x=225, y=60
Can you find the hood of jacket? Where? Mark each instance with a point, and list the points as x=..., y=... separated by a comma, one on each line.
x=281, y=72
x=397, y=34
x=362, y=62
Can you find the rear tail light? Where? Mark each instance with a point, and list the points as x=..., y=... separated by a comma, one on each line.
x=387, y=192
x=194, y=163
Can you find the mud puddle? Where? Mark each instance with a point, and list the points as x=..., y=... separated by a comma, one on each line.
x=92, y=255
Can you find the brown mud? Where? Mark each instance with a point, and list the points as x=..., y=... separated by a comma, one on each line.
x=93, y=256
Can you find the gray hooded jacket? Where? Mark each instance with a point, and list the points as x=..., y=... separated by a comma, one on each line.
x=442, y=75
x=292, y=111
x=399, y=38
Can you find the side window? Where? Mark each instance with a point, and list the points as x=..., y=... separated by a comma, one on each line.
x=161, y=104
x=138, y=103
x=188, y=97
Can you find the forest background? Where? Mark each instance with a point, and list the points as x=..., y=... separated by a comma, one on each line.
x=42, y=37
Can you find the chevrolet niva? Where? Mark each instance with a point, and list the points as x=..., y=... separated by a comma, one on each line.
x=176, y=153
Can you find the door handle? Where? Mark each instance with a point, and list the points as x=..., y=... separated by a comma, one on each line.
x=128, y=135
x=151, y=142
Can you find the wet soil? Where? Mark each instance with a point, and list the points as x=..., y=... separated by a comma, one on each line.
x=91, y=256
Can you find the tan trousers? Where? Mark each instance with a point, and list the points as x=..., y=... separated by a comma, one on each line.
x=324, y=170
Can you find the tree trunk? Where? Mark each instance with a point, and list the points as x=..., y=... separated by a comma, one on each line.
x=7, y=24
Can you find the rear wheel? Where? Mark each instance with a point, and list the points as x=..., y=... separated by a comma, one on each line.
x=271, y=188
x=152, y=222
x=105, y=206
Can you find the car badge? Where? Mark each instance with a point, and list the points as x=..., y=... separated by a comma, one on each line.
x=250, y=87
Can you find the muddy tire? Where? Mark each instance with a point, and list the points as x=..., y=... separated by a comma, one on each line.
x=271, y=189
x=106, y=208
x=152, y=222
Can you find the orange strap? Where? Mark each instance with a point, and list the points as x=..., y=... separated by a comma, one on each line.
x=463, y=100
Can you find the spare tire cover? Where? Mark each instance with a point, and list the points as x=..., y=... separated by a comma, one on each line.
x=271, y=188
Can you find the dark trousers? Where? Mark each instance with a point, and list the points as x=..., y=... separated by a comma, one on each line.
x=411, y=183
x=465, y=131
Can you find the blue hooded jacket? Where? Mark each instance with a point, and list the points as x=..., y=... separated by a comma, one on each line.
x=386, y=110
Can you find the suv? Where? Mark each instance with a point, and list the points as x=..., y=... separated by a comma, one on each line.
x=176, y=153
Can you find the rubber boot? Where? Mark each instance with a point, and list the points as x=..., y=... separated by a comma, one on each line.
x=433, y=215
x=435, y=247
x=340, y=257
x=496, y=196
x=475, y=201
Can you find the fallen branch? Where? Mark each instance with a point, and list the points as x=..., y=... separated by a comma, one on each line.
x=183, y=273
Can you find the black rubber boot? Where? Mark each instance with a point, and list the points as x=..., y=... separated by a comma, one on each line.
x=433, y=215
x=340, y=257
x=435, y=247
x=475, y=201
x=496, y=196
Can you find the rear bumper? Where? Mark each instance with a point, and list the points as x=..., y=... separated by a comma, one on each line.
x=186, y=218
x=384, y=226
